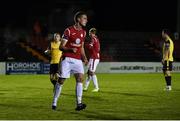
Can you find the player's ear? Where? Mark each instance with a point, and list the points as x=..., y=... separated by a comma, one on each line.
x=78, y=19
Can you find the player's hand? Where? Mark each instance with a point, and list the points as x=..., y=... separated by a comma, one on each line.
x=85, y=62
x=47, y=52
x=74, y=50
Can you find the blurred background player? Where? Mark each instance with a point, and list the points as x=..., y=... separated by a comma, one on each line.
x=167, y=58
x=93, y=48
x=73, y=52
x=55, y=54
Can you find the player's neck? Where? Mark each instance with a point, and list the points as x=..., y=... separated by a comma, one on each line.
x=93, y=35
x=56, y=41
x=77, y=26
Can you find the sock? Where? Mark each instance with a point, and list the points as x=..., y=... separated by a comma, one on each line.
x=87, y=81
x=53, y=82
x=79, y=91
x=94, y=78
x=168, y=80
x=57, y=93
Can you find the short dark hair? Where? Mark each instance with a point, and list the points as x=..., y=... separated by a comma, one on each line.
x=166, y=31
x=78, y=15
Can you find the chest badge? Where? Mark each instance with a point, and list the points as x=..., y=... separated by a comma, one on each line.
x=78, y=41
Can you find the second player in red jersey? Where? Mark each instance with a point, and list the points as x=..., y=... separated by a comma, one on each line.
x=93, y=48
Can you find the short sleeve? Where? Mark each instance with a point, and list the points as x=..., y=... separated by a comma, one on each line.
x=66, y=35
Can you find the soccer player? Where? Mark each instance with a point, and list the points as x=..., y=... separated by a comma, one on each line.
x=167, y=58
x=73, y=53
x=55, y=55
x=94, y=56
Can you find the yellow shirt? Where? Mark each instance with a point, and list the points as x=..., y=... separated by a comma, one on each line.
x=168, y=44
x=55, y=52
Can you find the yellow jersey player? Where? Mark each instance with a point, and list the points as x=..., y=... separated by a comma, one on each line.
x=167, y=58
x=55, y=55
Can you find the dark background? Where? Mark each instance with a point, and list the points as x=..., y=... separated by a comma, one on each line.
x=124, y=15
x=130, y=29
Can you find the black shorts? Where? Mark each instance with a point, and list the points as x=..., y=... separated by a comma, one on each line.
x=54, y=68
x=167, y=66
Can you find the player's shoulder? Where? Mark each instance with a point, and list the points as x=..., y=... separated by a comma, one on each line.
x=170, y=40
x=69, y=28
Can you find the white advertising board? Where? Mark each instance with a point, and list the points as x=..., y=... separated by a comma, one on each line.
x=133, y=67
x=2, y=68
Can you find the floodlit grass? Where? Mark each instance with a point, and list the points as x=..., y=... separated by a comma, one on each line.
x=121, y=96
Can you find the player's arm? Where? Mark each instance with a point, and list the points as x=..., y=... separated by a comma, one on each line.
x=47, y=51
x=91, y=44
x=83, y=54
x=166, y=51
x=97, y=48
x=64, y=40
x=66, y=49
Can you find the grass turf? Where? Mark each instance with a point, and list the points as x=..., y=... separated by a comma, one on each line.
x=121, y=96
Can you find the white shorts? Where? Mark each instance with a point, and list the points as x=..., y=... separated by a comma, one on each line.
x=93, y=64
x=71, y=66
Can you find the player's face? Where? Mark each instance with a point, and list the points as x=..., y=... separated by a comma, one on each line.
x=83, y=20
x=90, y=34
x=163, y=35
x=57, y=37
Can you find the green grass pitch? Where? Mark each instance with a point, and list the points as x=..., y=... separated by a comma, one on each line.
x=121, y=96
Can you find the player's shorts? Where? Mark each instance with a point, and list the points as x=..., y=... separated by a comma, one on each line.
x=71, y=66
x=54, y=68
x=167, y=66
x=93, y=64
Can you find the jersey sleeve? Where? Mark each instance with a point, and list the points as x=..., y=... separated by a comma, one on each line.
x=66, y=35
x=91, y=44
